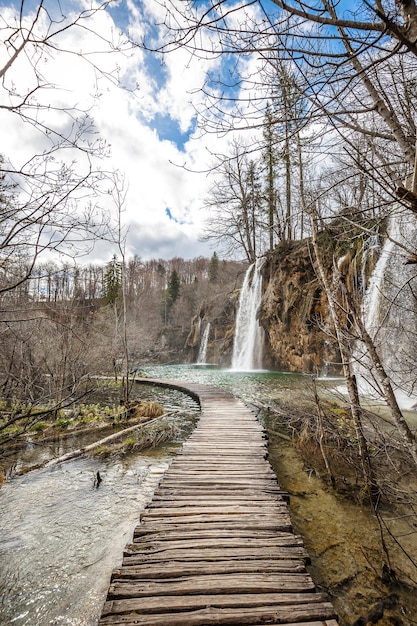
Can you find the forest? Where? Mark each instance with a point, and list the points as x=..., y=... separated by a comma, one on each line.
x=66, y=324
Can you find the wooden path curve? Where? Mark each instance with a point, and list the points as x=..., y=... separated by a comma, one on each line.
x=215, y=545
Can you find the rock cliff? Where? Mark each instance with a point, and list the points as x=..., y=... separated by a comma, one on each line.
x=294, y=313
x=294, y=310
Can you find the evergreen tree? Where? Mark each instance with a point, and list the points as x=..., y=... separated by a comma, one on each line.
x=213, y=270
x=270, y=159
x=173, y=286
x=171, y=294
x=112, y=281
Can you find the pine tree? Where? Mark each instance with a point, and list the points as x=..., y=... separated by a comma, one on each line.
x=174, y=286
x=171, y=294
x=112, y=281
x=213, y=270
x=270, y=159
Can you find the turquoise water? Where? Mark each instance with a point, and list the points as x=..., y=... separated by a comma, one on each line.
x=255, y=385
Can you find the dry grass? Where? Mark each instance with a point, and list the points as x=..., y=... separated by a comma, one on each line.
x=149, y=409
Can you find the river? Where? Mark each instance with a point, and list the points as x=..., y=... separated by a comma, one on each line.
x=61, y=536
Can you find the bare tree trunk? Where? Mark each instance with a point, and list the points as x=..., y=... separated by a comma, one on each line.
x=322, y=435
x=118, y=193
x=385, y=382
x=301, y=183
x=346, y=364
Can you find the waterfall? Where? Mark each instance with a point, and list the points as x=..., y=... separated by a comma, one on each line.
x=390, y=312
x=370, y=249
x=202, y=353
x=248, y=340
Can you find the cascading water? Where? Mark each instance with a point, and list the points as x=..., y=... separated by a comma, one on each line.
x=390, y=312
x=202, y=353
x=249, y=334
x=370, y=250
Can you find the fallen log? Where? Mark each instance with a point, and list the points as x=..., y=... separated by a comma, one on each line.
x=74, y=454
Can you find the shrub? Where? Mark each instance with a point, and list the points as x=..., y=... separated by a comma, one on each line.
x=39, y=426
x=63, y=422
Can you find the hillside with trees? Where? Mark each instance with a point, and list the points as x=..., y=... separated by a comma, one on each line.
x=65, y=324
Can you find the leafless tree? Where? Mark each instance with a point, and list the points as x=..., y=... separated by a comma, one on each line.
x=49, y=188
x=354, y=69
x=51, y=200
x=235, y=206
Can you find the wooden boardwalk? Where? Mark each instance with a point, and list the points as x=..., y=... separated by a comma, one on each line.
x=215, y=546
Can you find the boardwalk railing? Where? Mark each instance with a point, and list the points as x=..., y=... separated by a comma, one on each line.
x=215, y=545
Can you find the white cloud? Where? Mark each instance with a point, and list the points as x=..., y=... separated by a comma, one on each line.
x=126, y=119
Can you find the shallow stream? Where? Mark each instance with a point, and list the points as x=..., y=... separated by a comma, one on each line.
x=61, y=537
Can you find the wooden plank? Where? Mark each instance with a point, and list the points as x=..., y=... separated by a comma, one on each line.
x=218, y=471
x=221, y=469
x=230, y=448
x=244, y=518
x=248, y=493
x=194, y=496
x=224, y=541
x=206, y=466
x=167, y=603
x=283, y=539
x=209, y=509
x=262, y=524
x=202, y=532
x=178, y=495
x=210, y=554
x=212, y=504
x=175, y=569
x=232, y=455
x=123, y=620
x=214, y=584
x=247, y=613
x=223, y=481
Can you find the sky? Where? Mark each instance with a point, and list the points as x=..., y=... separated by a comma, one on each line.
x=150, y=125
